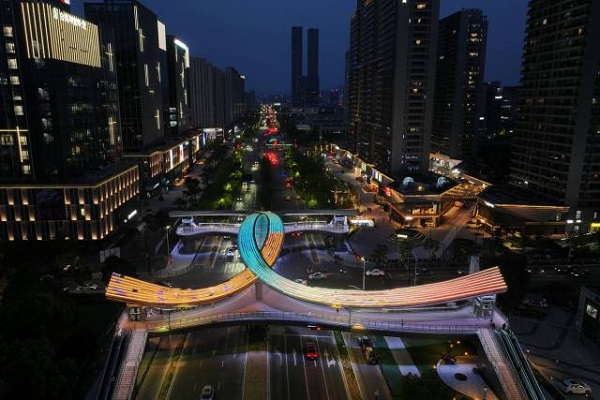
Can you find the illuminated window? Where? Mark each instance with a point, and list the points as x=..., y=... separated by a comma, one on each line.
x=421, y=6
x=14, y=80
x=158, y=70
x=418, y=41
x=146, y=76
x=8, y=31
x=10, y=48
x=18, y=110
x=141, y=38
x=12, y=63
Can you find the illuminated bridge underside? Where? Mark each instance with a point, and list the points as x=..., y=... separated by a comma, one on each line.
x=260, y=239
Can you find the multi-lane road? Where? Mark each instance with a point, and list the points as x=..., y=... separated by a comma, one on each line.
x=179, y=365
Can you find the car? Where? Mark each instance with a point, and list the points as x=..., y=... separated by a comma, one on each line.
x=462, y=271
x=311, y=351
x=375, y=272
x=301, y=281
x=364, y=342
x=574, y=386
x=424, y=272
x=93, y=287
x=208, y=393
x=230, y=253
x=317, y=276
x=296, y=234
x=581, y=273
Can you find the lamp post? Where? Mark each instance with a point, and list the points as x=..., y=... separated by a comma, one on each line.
x=168, y=246
x=364, y=271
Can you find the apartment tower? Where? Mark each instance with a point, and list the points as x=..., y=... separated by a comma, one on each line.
x=556, y=147
x=391, y=82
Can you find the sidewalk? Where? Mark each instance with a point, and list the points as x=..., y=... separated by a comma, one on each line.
x=472, y=385
x=402, y=357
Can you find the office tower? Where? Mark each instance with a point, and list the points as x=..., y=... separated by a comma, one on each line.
x=175, y=92
x=235, y=105
x=140, y=52
x=459, y=91
x=555, y=146
x=60, y=144
x=311, y=90
x=297, y=77
x=391, y=82
x=202, y=91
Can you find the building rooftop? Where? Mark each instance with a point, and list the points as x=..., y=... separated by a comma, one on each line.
x=507, y=194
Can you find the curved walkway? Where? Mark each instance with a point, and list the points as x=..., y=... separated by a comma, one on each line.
x=472, y=385
x=260, y=240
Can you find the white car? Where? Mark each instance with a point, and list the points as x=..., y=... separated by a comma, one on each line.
x=573, y=386
x=375, y=272
x=230, y=252
x=316, y=276
x=208, y=393
x=301, y=281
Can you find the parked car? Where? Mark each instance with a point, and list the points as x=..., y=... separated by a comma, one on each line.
x=375, y=272
x=301, y=281
x=316, y=276
x=311, y=351
x=424, y=272
x=573, y=386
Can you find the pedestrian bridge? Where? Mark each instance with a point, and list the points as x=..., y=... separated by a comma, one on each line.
x=260, y=238
x=189, y=228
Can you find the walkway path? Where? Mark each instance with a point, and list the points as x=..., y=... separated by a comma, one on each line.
x=402, y=357
x=473, y=385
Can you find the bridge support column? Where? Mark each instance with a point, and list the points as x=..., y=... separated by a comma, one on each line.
x=258, y=290
x=338, y=242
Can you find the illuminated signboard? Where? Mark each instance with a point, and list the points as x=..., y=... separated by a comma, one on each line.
x=51, y=33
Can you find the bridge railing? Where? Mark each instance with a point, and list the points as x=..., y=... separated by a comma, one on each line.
x=345, y=319
x=233, y=228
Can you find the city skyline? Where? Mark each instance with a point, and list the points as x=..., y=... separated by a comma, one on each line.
x=256, y=41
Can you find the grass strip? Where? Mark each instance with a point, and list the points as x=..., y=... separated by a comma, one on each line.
x=347, y=366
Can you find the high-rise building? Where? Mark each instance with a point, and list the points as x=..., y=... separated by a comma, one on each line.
x=141, y=55
x=390, y=82
x=60, y=140
x=311, y=90
x=501, y=106
x=297, y=74
x=235, y=102
x=176, y=88
x=557, y=137
x=459, y=90
x=202, y=91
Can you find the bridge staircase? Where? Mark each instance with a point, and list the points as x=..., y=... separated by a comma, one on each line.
x=502, y=365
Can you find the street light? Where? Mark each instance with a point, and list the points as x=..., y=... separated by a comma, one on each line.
x=168, y=246
x=364, y=271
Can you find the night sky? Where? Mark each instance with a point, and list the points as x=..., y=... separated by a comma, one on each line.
x=254, y=36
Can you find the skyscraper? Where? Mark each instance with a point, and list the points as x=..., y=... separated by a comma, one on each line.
x=459, y=90
x=141, y=54
x=60, y=141
x=391, y=81
x=176, y=88
x=556, y=143
x=297, y=77
x=312, y=91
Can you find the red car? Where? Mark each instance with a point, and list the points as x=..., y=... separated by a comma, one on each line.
x=311, y=351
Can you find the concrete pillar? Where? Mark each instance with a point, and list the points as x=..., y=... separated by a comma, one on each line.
x=258, y=288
